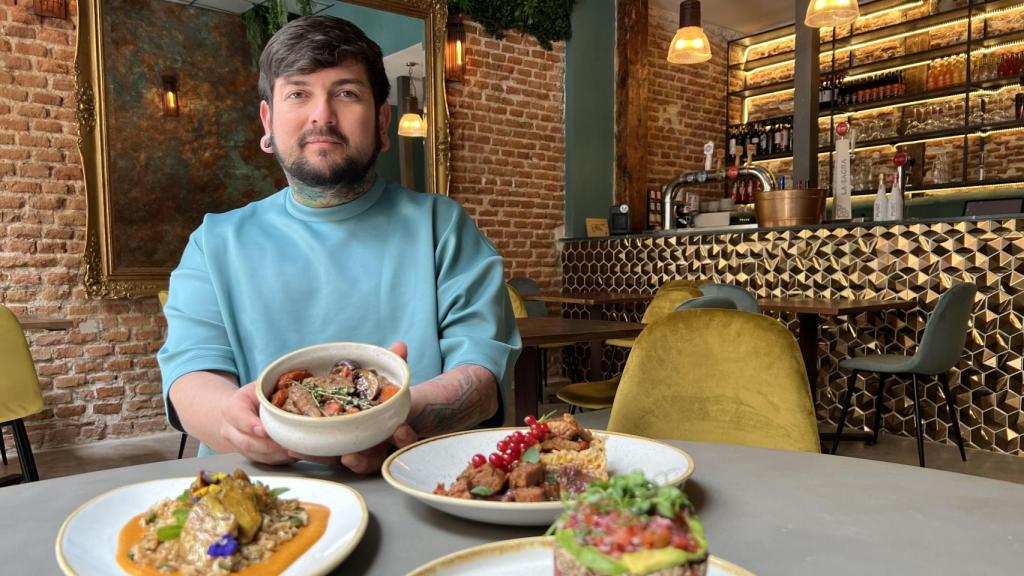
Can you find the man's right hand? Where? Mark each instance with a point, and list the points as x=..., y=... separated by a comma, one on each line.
x=242, y=428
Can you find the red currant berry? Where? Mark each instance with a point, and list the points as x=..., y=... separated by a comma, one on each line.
x=530, y=420
x=531, y=438
x=506, y=461
x=496, y=460
x=503, y=445
x=545, y=429
x=518, y=437
x=479, y=460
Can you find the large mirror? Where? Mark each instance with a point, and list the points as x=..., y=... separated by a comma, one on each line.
x=169, y=125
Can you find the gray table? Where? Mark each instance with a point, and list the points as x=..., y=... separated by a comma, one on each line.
x=770, y=512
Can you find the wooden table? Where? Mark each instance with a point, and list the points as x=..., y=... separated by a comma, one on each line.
x=43, y=323
x=809, y=312
x=769, y=511
x=551, y=330
x=591, y=298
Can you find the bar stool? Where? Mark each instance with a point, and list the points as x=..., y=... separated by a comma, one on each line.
x=19, y=389
x=939, y=350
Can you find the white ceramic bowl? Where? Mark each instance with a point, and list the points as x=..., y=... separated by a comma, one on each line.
x=342, y=434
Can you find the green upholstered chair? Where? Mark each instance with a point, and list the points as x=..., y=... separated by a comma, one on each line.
x=685, y=380
x=665, y=301
x=744, y=300
x=19, y=389
x=162, y=296
x=941, y=347
x=719, y=302
x=529, y=287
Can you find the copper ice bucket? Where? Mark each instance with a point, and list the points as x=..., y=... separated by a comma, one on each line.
x=777, y=208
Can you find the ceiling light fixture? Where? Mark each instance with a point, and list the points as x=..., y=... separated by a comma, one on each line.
x=831, y=13
x=412, y=125
x=690, y=45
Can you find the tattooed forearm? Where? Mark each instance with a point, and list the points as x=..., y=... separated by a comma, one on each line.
x=455, y=400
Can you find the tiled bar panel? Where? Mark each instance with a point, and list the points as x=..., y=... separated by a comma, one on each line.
x=916, y=260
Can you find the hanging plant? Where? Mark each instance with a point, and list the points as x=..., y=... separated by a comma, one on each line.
x=263, y=20
x=546, y=20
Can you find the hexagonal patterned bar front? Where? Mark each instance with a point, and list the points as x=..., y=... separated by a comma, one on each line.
x=911, y=260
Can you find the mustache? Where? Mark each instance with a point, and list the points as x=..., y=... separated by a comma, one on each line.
x=327, y=132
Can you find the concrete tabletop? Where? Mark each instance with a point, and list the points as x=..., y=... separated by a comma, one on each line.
x=769, y=511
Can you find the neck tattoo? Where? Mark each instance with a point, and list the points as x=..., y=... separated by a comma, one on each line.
x=326, y=197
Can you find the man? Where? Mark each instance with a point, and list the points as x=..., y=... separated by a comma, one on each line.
x=337, y=255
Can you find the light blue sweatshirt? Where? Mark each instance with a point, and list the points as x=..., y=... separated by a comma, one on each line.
x=274, y=276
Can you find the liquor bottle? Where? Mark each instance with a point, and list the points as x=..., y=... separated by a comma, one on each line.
x=896, y=199
x=754, y=138
x=731, y=147
x=881, y=208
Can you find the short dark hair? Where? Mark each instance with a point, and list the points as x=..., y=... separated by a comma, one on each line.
x=312, y=43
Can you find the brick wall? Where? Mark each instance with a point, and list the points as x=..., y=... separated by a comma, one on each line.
x=100, y=379
x=508, y=149
x=685, y=104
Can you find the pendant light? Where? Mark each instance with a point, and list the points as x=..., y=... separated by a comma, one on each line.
x=690, y=44
x=831, y=13
x=411, y=124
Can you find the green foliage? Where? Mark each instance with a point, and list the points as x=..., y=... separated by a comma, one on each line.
x=546, y=20
x=263, y=20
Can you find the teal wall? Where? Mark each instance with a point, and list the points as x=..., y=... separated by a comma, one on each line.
x=589, y=115
x=393, y=32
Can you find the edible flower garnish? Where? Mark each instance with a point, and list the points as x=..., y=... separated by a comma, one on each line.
x=226, y=545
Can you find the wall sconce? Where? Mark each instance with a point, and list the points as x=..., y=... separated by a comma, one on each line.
x=831, y=13
x=455, y=50
x=690, y=44
x=170, y=96
x=412, y=125
x=52, y=8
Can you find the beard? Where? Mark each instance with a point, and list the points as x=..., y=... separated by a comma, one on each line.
x=348, y=172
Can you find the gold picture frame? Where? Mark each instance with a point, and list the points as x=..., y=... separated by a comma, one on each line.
x=103, y=276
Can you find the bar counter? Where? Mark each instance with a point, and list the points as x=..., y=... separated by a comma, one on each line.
x=912, y=259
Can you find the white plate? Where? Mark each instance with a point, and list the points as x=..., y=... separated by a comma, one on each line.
x=534, y=556
x=417, y=469
x=87, y=542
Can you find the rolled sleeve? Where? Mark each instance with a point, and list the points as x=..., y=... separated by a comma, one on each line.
x=475, y=320
x=197, y=339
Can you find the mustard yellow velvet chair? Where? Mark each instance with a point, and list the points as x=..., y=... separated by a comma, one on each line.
x=590, y=395
x=665, y=301
x=686, y=379
x=162, y=296
x=19, y=389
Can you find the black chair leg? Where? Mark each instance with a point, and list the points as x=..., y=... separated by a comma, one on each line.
x=851, y=384
x=28, y=462
x=543, y=379
x=879, y=408
x=181, y=446
x=954, y=419
x=918, y=428
x=3, y=445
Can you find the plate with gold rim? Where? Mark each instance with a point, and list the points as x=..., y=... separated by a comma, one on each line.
x=534, y=556
x=88, y=538
x=419, y=468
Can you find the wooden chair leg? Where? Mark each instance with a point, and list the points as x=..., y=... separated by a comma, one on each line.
x=879, y=407
x=919, y=429
x=954, y=419
x=3, y=445
x=28, y=462
x=851, y=384
x=181, y=446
